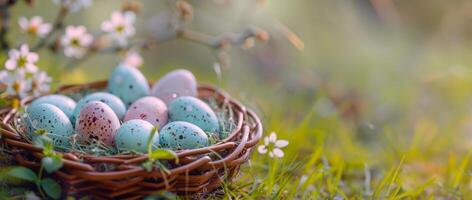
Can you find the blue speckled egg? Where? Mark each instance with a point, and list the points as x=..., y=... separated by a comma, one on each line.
x=64, y=103
x=181, y=135
x=175, y=84
x=53, y=120
x=134, y=135
x=97, y=122
x=195, y=111
x=111, y=100
x=128, y=83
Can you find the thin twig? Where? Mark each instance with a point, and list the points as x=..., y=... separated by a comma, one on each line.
x=57, y=25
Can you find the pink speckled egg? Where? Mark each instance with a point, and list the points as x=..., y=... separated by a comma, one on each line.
x=150, y=109
x=97, y=122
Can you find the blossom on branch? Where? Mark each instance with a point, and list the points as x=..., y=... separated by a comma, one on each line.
x=15, y=82
x=133, y=59
x=22, y=59
x=76, y=41
x=39, y=83
x=120, y=26
x=35, y=26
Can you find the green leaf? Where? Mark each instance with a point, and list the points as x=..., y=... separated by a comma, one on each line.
x=52, y=163
x=51, y=187
x=149, y=141
x=43, y=141
x=23, y=173
x=163, y=154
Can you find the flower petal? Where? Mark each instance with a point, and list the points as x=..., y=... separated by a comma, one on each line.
x=266, y=140
x=272, y=137
x=262, y=149
x=278, y=152
x=10, y=64
x=281, y=143
x=23, y=22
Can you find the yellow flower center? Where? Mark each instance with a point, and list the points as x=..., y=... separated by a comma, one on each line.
x=119, y=29
x=75, y=42
x=32, y=29
x=16, y=86
x=22, y=61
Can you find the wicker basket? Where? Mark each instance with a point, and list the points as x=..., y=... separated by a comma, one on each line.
x=196, y=172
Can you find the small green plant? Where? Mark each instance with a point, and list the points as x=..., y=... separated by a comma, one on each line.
x=50, y=163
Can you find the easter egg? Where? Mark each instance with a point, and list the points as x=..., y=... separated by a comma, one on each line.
x=195, y=111
x=97, y=122
x=134, y=135
x=174, y=84
x=111, y=100
x=128, y=83
x=64, y=103
x=181, y=135
x=150, y=109
x=51, y=119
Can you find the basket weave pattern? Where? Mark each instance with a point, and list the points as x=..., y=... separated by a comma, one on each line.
x=196, y=172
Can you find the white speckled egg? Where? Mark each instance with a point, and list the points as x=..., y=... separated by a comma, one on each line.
x=182, y=135
x=64, y=103
x=128, y=83
x=150, y=109
x=195, y=111
x=97, y=121
x=53, y=120
x=134, y=135
x=174, y=84
x=111, y=100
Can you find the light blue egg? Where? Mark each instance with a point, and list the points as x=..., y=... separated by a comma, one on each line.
x=195, y=111
x=128, y=83
x=111, y=100
x=182, y=135
x=64, y=103
x=134, y=135
x=53, y=120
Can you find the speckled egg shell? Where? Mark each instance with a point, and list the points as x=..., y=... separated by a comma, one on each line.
x=53, y=120
x=134, y=135
x=174, y=84
x=128, y=83
x=64, y=103
x=111, y=100
x=97, y=121
x=182, y=135
x=150, y=109
x=195, y=111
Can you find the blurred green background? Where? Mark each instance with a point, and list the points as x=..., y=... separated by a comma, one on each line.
x=370, y=81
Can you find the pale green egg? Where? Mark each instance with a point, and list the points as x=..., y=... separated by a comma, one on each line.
x=182, y=135
x=134, y=135
x=128, y=83
x=64, y=103
x=195, y=111
x=51, y=119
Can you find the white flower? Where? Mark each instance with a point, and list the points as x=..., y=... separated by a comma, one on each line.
x=273, y=146
x=15, y=82
x=120, y=26
x=35, y=26
x=22, y=59
x=76, y=41
x=39, y=83
x=74, y=5
x=133, y=59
